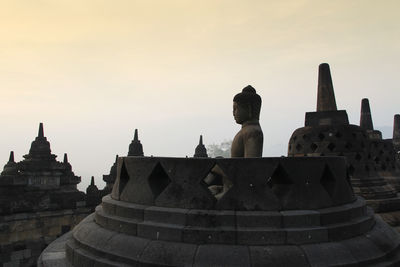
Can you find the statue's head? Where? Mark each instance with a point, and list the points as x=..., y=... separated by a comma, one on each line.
x=246, y=105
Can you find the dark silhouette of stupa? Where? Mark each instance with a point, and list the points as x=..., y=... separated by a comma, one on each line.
x=39, y=201
x=327, y=132
x=200, y=151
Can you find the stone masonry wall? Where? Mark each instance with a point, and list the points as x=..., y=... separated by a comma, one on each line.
x=23, y=236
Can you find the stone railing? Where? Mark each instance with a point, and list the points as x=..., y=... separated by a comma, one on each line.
x=255, y=183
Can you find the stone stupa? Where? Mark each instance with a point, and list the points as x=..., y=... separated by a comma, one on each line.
x=381, y=151
x=39, y=202
x=327, y=132
x=200, y=151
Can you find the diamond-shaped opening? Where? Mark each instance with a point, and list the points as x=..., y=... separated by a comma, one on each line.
x=354, y=135
x=313, y=147
x=328, y=181
x=299, y=147
x=214, y=182
x=387, y=159
x=380, y=152
x=383, y=166
x=321, y=136
x=358, y=157
x=377, y=160
x=123, y=178
x=350, y=170
x=348, y=145
x=369, y=156
x=294, y=138
x=331, y=146
x=305, y=137
x=338, y=135
x=279, y=177
x=384, y=146
x=158, y=180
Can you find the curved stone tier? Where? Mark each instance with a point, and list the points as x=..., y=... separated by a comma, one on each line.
x=255, y=183
x=339, y=236
x=145, y=224
x=235, y=227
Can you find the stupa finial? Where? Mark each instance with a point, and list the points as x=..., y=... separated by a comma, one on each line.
x=200, y=151
x=326, y=96
x=135, y=148
x=65, y=158
x=92, y=181
x=365, y=117
x=40, y=132
x=396, y=126
x=11, y=159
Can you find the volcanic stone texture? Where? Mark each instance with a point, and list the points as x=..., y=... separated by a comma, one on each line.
x=162, y=225
x=38, y=203
x=368, y=157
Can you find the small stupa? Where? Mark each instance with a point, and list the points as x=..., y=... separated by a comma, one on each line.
x=200, y=151
x=135, y=148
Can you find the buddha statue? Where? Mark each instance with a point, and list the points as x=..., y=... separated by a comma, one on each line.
x=248, y=142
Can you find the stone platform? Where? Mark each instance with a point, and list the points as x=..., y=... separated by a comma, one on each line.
x=277, y=212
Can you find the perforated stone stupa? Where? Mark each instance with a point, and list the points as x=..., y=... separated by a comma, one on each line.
x=381, y=151
x=327, y=132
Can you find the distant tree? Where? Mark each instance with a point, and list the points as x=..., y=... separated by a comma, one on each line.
x=220, y=150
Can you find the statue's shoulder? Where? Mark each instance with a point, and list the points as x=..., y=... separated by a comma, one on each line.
x=252, y=130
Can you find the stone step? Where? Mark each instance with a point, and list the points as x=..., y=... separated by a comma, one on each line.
x=206, y=218
x=298, y=227
x=96, y=246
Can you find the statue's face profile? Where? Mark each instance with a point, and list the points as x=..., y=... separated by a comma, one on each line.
x=241, y=113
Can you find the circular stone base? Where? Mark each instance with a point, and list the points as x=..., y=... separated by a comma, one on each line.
x=92, y=245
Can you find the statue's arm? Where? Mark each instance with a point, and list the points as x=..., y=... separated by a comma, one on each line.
x=253, y=146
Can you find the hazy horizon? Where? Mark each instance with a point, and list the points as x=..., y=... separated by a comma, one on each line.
x=93, y=71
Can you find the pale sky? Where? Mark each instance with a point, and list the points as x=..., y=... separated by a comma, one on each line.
x=92, y=71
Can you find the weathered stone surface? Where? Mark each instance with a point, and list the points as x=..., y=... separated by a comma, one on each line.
x=278, y=256
x=172, y=254
x=258, y=218
x=188, y=173
x=210, y=255
x=370, y=160
x=326, y=96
